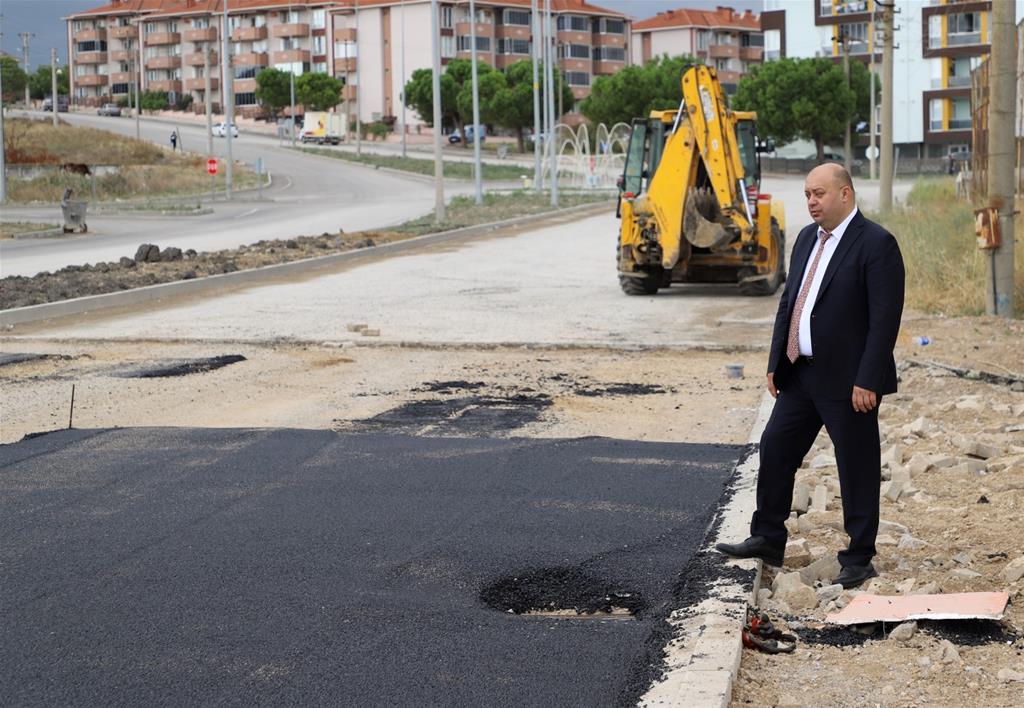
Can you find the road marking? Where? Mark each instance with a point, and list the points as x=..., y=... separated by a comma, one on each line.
x=248, y=213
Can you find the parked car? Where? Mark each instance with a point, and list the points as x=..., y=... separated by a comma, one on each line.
x=62, y=103
x=456, y=137
x=220, y=130
x=109, y=109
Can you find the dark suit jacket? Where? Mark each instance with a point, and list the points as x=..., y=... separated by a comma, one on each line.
x=856, y=316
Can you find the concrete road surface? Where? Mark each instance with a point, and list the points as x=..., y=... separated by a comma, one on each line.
x=251, y=567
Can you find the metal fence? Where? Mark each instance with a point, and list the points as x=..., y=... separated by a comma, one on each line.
x=905, y=167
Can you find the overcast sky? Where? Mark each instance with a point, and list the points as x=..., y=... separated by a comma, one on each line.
x=43, y=19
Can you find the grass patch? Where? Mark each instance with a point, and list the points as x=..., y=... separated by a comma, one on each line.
x=454, y=170
x=498, y=206
x=144, y=170
x=10, y=229
x=946, y=271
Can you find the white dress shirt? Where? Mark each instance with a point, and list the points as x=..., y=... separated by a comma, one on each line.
x=831, y=245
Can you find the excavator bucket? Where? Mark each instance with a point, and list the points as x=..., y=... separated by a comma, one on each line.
x=699, y=230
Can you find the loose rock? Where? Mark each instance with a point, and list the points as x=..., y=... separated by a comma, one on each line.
x=903, y=632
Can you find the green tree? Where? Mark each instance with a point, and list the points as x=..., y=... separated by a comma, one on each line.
x=40, y=83
x=804, y=98
x=513, y=103
x=153, y=100
x=490, y=82
x=419, y=93
x=636, y=91
x=13, y=78
x=318, y=92
x=273, y=90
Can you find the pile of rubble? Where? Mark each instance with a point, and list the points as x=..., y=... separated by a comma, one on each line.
x=952, y=508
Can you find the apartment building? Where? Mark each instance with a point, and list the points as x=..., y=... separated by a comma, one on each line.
x=937, y=44
x=729, y=41
x=373, y=46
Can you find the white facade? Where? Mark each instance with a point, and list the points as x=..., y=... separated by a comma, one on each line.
x=672, y=41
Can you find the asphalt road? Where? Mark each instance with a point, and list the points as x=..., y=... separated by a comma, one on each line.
x=310, y=195
x=257, y=567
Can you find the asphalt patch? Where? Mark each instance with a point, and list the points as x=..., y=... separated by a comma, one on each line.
x=621, y=389
x=21, y=357
x=464, y=415
x=550, y=589
x=969, y=632
x=451, y=386
x=835, y=636
x=275, y=567
x=182, y=367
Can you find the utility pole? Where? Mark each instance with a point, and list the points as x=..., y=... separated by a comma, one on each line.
x=477, y=179
x=136, y=80
x=25, y=36
x=847, y=143
x=3, y=145
x=54, y=104
x=359, y=89
x=435, y=42
x=535, y=45
x=885, y=178
x=291, y=89
x=229, y=108
x=207, y=101
x=401, y=93
x=1002, y=93
x=871, y=71
x=552, y=142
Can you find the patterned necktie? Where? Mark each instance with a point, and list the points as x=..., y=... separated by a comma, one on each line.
x=793, y=345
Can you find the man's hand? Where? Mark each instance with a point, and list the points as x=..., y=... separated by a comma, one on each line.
x=864, y=400
x=771, y=385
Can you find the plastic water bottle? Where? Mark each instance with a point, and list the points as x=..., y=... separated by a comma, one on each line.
x=922, y=341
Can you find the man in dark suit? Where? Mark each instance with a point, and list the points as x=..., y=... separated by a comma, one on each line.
x=830, y=363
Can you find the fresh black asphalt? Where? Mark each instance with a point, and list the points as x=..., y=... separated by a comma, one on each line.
x=281, y=567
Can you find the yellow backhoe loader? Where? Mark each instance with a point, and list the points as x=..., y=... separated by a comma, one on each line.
x=690, y=200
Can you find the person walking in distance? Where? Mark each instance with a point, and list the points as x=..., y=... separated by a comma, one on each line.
x=174, y=140
x=830, y=363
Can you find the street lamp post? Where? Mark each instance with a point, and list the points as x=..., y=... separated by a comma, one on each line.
x=229, y=108
x=55, y=104
x=477, y=180
x=401, y=83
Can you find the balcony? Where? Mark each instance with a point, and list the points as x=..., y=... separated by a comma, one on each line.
x=345, y=34
x=608, y=67
x=92, y=80
x=163, y=62
x=580, y=92
x=205, y=34
x=196, y=59
x=290, y=56
x=91, y=58
x=512, y=32
x=248, y=34
x=752, y=53
x=161, y=38
x=251, y=59
x=344, y=65
x=120, y=55
x=843, y=7
x=348, y=92
x=121, y=77
x=243, y=85
x=125, y=32
x=91, y=35
x=200, y=84
x=726, y=76
x=292, y=29
x=961, y=38
x=166, y=85
x=482, y=29
x=959, y=123
x=723, y=51
x=609, y=40
x=567, y=37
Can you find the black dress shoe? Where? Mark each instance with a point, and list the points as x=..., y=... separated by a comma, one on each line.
x=853, y=575
x=754, y=547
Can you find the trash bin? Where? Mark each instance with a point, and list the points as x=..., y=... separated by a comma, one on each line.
x=74, y=214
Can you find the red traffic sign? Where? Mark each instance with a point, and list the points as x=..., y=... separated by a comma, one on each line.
x=211, y=166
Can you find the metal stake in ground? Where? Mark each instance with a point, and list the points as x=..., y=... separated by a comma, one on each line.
x=71, y=412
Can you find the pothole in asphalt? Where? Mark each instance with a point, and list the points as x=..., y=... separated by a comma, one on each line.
x=467, y=415
x=561, y=592
x=22, y=357
x=179, y=367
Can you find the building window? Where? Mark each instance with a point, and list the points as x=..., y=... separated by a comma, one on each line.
x=515, y=17
x=319, y=19
x=935, y=114
x=573, y=23
x=514, y=46
x=150, y=27
x=609, y=54
x=961, y=114
x=201, y=23
x=320, y=67
x=319, y=44
x=245, y=99
x=172, y=26
x=483, y=44
x=935, y=31
x=702, y=40
x=447, y=46
x=577, y=78
x=573, y=51
x=446, y=17
x=152, y=75
x=964, y=28
x=290, y=43
x=607, y=25
x=246, y=72
x=92, y=46
x=120, y=89
x=752, y=40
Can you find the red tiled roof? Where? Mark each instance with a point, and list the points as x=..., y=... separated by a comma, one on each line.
x=722, y=17
x=171, y=7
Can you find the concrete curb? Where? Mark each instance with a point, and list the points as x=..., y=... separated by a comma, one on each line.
x=704, y=656
x=255, y=276
x=44, y=233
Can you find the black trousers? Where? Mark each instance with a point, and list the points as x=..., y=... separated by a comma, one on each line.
x=794, y=424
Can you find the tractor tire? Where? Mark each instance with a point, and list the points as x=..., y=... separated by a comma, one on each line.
x=648, y=285
x=764, y=286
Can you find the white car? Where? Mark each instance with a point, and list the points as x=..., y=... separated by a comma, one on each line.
x=220, y=130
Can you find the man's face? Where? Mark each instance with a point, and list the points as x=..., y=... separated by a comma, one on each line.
x=827, y=202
